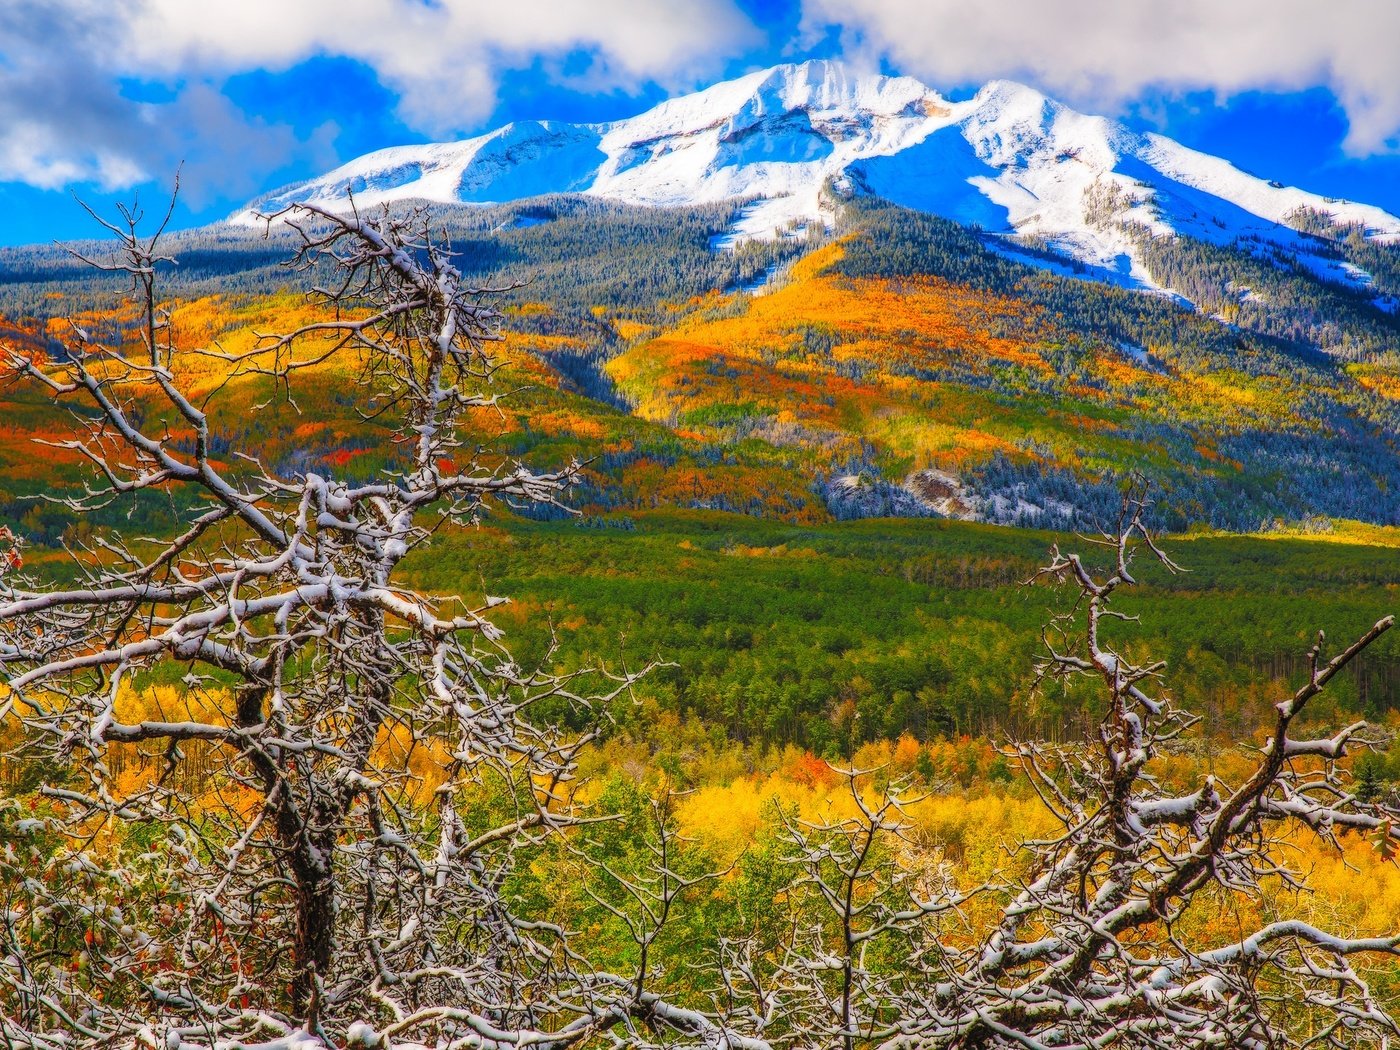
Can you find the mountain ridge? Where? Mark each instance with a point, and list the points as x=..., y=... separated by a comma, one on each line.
x=1010, y=160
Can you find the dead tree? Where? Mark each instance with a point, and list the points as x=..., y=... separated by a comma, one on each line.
x=335, y=899
x=1094, y=947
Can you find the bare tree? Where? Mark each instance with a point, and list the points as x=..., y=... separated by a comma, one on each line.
x=864, y=919
x=1094, y=947
x=337, y=895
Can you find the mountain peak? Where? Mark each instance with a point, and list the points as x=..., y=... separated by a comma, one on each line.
x=1010, y=159
x=823, y=83
x=1012, y=90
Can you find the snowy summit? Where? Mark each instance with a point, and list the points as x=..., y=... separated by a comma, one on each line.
x=1009, y=159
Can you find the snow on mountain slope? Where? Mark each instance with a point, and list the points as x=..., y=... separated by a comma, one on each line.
x=522, y=159
x=777, y=134
x=1008, y=159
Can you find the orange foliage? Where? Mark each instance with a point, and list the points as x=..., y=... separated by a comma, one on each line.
x=727, y=486
x=1123, y=373
x=810, y=771
x=562, y=421
x=341, y=456
x=825, y=358
x=628, y=330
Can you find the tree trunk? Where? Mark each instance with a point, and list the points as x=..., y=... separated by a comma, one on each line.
x=309, y=838
x=315, y=932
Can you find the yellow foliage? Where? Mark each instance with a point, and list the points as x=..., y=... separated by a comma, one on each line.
x=1379, y=379
x=629, y=331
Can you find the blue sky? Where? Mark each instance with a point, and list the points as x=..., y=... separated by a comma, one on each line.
x=106, y=98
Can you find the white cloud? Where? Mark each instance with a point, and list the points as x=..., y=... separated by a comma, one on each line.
x=1107, y=52
x=445, y=57
x=64, y=118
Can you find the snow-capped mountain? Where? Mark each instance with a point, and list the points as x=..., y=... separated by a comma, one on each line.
x=1008, y=159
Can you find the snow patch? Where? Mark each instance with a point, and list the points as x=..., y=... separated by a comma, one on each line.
x=1140, y=357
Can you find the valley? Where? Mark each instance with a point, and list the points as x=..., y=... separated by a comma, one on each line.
x=893, y=368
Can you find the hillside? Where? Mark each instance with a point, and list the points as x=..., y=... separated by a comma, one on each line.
x=814, y=293
x=897, y=365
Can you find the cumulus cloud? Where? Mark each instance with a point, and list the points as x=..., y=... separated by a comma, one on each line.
x=231, y=153
x=1106, y=52
x=59, y=121
x=65, y=118
x=444, y=58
